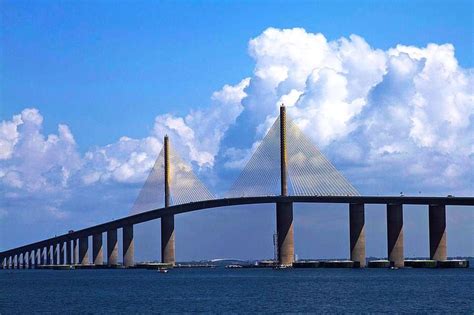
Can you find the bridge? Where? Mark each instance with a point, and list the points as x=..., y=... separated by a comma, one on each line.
x=303, y=175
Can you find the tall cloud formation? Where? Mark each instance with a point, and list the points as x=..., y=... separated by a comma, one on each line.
x=408, y=111
x=389, y=119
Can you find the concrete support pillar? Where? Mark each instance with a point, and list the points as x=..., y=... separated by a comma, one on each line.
x=357, y=233
x=44, y=256
x=395, y=235
x=167, y=240
x=49, y=255
x=112, y=248
x=32, y=259
x=28, y=259
x=97, y=254
x=23, y=260
x=56, y=254
x=16, y=261
x=62, y=253
x=41, y=256
x=285, y=237
x=69, y=250
x=4, y=262
x=437, y=225
x=167, y=222
x=10, y=262
x=128, y=246
x=83, y=251
x=39, y=253
x=75, y=253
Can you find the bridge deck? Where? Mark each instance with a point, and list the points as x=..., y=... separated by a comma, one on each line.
x=215, y=203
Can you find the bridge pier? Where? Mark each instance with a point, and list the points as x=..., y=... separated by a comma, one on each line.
x=112, y=248
x=42, y=256
x=49, y=255
x=167, y=240
x=75, y=253
x=437, y=226
x=357, y=233
x=32, y=256
x=167, y=222
x=83, y=250
x=285, y=235
x=128, y=246
x=284, y=210
x=23, y=260
x=69, y=252
x=62, y=253
x=26, y=258
x=395, y=235
x=97, y=254
x=56, y=254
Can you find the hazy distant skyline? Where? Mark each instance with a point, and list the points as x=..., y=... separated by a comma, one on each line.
x=89, y=89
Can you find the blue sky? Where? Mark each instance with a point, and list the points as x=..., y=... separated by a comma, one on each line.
x=139, y=69
x=111, y=67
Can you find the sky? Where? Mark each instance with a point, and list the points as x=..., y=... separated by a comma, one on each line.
x=88, y=90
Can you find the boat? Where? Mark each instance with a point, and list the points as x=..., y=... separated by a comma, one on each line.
x=163, y=270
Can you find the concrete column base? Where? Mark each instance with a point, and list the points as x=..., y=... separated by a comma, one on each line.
x=437, y=226
x=395, y=235
x=83, y=251
x=112, y=248
x=285, y=236
x=97, y=254
x=357, y=233
x=128, y=246
x=167, y=240
x=69, y=250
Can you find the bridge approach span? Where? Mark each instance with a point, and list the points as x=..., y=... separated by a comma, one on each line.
x=216, y=203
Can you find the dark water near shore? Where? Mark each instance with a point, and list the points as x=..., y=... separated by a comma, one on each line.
x=240, y=291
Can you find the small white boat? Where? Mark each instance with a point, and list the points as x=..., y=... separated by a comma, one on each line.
x=162, y=270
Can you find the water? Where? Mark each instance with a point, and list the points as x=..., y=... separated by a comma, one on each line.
x=237, y=290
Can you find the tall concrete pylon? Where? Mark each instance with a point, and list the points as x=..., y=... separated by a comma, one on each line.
x=284, y=210
x=167, y=222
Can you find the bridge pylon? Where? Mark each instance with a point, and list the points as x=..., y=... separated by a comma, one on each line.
x=284, y=210
x=167, y=221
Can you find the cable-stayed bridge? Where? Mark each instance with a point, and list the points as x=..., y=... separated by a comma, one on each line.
x=286, y=168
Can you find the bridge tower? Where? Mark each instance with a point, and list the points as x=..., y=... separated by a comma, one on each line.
x=167, y=222
x=284, y=209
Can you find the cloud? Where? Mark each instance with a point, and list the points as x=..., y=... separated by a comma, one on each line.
x=407, y=110
x=32, y=161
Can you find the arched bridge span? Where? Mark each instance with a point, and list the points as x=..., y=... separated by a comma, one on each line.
x=224, y=202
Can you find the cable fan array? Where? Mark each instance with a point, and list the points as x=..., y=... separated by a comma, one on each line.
x=309, y=173
x=261, y=174
x=185, y=186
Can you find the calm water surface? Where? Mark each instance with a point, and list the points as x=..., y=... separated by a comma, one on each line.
x=240, y=291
